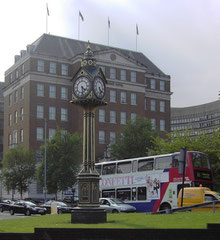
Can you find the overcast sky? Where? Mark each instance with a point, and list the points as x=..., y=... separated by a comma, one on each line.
x=181, y=37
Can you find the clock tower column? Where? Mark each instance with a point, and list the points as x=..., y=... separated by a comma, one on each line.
x=89, y=87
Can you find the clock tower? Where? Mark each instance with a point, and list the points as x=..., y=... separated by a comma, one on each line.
x=89, y=89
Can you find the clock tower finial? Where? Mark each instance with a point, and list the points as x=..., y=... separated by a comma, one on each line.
x=88, y=59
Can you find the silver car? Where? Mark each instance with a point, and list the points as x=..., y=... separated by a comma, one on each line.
x=112, y=205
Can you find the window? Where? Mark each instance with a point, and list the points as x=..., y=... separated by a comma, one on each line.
x=112, y=137
x=101, y=115
x=141, y=193
x=22, y=69
x=145, y=165
x=123, y=97
x=153, y=105
x=9, y=119
x=124, y=167
x=64, y=114
x=52, y=113
x=15, y=137
x=163, y=162
x=16, y=96
x=153, y=84
x=108, y=169
x=133, y=99
x=133, y=76
x=52, y=91
x=133, y=116
x=9, y=140
x=64, y=93
x=40, y=111
x=123, y=194
x=40, y=134
x=112, y=116
x=153, y=123
x=16, y=74
x=21, y=135
x=112, y=73
x=162, y=106
x=101, y=137
x=40, y=66
x=15, y=117
x=123, y=75
x=10, y=100
x=64, y=69
x=52, y=133
x=40, y=90
x=22, y=93
x=113, y=96
x=162, y=85
x=123, y=117
x=21, y=113
x=162, y=125
x=53, y=67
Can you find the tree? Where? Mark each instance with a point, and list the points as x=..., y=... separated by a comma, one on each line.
x=63, y=158
x=18, y=169
x=133, y=139
x=207, y=143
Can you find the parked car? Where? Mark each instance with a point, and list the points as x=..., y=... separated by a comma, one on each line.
x=26, y=208
x=61, y=207
x=5, y=205
x=112, y=205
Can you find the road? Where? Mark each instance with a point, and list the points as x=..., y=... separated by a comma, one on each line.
x=7, y=215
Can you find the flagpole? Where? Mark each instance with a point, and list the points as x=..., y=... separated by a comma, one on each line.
x=78, y=26
x=46, y=22
x=108, y=31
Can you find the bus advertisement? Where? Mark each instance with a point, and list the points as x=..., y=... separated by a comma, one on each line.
x=152, y=183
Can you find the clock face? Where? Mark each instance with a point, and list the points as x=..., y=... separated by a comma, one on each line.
x=99, y=87
x=81, y=87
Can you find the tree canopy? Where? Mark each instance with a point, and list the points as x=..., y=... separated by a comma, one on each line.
x=133, y=139
x=18, y=169
x=207, y=143
x=62, y=161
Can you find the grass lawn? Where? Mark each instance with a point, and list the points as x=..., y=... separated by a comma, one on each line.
x=129, y=220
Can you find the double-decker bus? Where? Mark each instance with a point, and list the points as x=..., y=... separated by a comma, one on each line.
x=153, y=183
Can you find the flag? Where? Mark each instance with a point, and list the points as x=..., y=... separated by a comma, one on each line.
x=137, y=29
x=80, y=14
x=48, y=13
x=109, y=25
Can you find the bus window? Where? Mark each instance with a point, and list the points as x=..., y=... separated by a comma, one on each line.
x=124, y=194
x=134, y=166
x=145, y=165
x=124, y=167
x=110, y=193
x=141, y=193
x=134, y=193
x=108, y=169
x=98, y=168
x=200, y=160
x=163, y=162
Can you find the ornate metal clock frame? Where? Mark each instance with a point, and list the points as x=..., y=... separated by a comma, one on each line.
x=89, y=88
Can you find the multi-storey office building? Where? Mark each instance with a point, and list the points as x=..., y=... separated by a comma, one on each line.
x=199, y=119
x=38, y=90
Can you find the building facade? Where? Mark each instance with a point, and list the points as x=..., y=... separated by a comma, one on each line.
x=199, y=119
x=38, y=90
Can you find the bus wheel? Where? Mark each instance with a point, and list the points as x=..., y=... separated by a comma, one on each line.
x=165, y=206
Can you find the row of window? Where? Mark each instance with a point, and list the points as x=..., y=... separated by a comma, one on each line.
x=153, y=85
x=123, y=74
x=112, y=135
x=14, y=139
x=16, y=95
x=40, y=114
x=52, y=67
x=52, y=91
